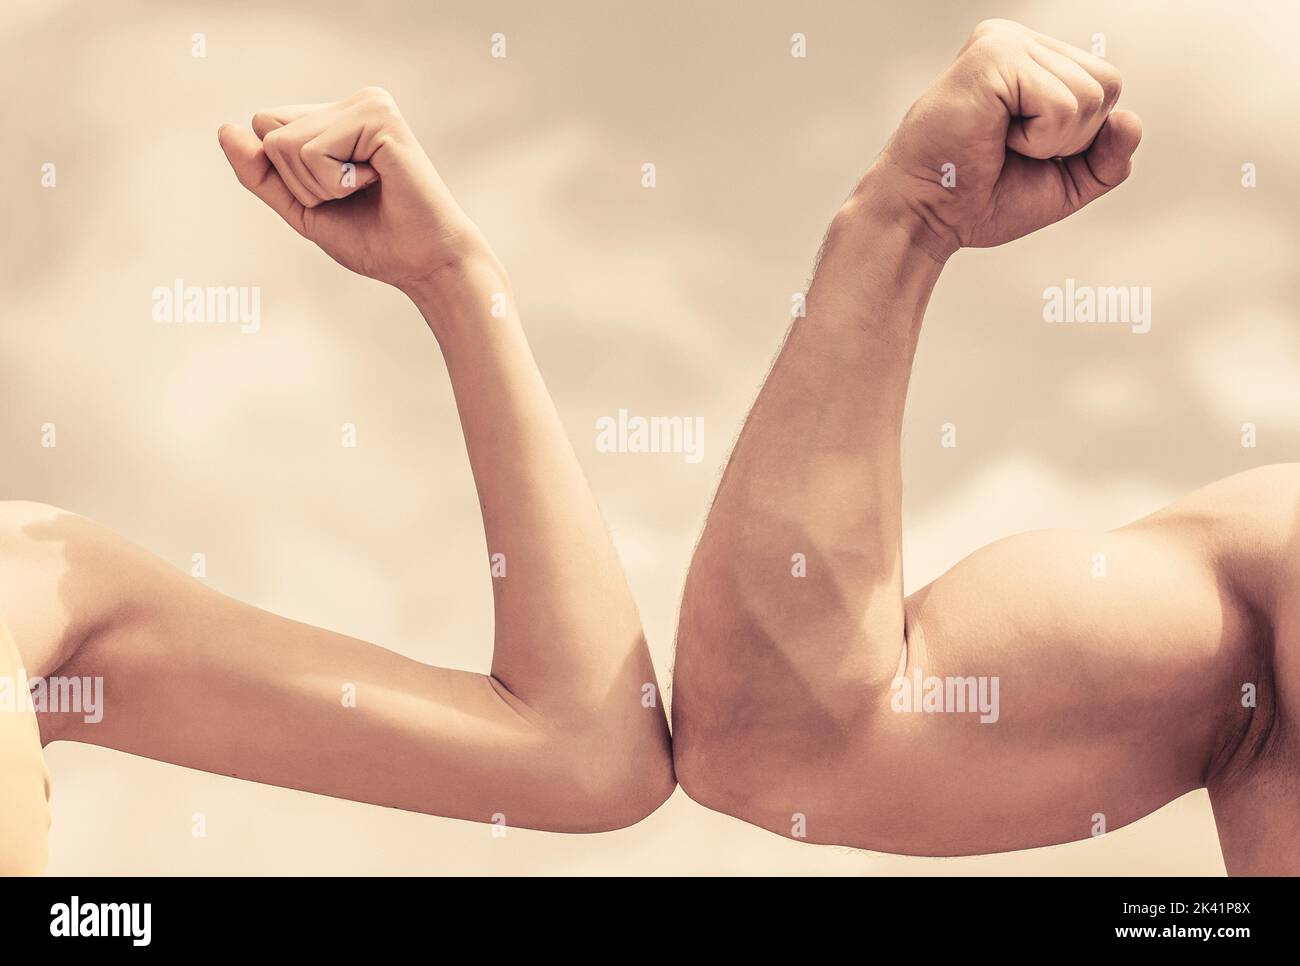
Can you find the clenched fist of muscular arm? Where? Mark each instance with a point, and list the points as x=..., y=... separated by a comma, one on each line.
x=1029, y=127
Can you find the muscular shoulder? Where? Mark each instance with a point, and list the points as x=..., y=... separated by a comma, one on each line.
x=1261, y=499
x=1247, y=525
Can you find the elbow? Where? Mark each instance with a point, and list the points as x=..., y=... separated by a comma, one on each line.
x=763, y=716
x=597, y=756
x=787, y=771
x=729, y=742
x=728, y=712
x=601, y=768
x=720, y=759
x=615, y=783
x=735, y=774
x=623, y=804
x=706, y=775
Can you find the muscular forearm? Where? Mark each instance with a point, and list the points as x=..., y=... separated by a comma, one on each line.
x=809, y=463
x=800, y=556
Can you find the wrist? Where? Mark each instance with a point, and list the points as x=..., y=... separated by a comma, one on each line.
x=879, y=209
x=466, y=290
x=876, y=271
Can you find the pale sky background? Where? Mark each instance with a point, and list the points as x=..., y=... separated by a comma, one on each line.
x=664, y=301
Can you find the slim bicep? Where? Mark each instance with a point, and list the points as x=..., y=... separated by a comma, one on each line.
x=183, y=674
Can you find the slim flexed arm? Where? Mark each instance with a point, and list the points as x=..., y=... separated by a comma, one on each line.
x=562, y=735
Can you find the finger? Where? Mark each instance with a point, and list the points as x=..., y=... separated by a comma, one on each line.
x=330, y=158
x=1044, y=112
x=256, y=173
x=264, y=122
x=1102, y=71
x=283, y=153
x=340, y=177
x=1089, y=98
x=1052, y=190
x=367, y=131
x=376, y=133
x=1109, y=161
x=289, y=141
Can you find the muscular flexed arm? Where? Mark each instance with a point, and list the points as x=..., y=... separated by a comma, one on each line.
x=795, y=705
x=565, y=734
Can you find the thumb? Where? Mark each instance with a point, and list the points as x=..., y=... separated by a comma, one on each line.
x=1109, y=159
x=256, y=173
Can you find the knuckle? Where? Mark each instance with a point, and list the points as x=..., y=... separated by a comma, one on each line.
x=1092, y=98
x=1063, y=109
x=379, y=102
x=376, y=94
x=1111, y=84
x=387, y=140
x=981, y=48
x=332, y=175
x=995, y=25
x=990, y=46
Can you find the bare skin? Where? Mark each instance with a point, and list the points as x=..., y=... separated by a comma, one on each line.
x=1119, y=690
x=566, y=733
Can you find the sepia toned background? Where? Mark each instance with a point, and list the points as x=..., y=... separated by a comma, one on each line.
x=664, y=301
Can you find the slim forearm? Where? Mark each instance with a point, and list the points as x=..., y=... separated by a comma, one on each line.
x=568, y=632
